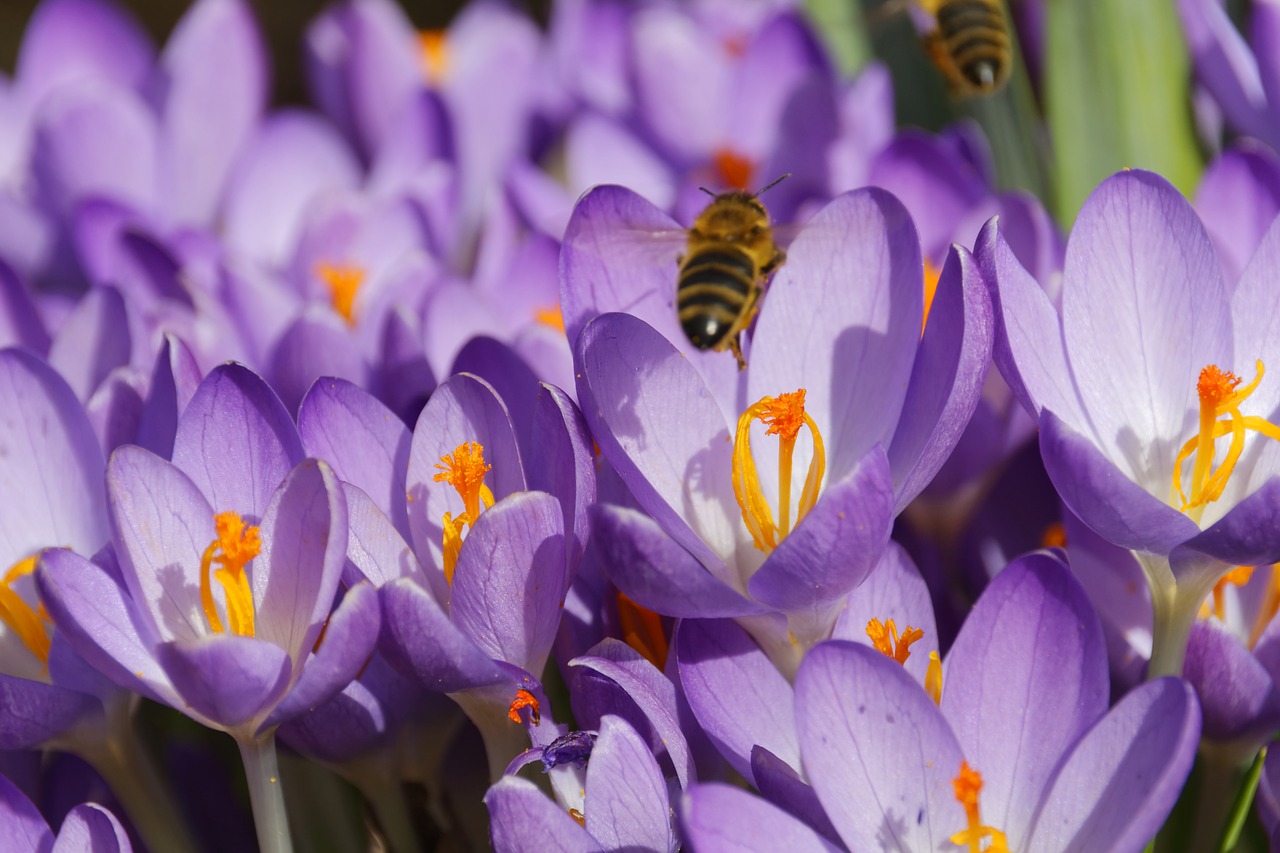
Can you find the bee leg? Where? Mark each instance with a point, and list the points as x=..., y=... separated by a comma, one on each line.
x=735, y=346
x=776, y=261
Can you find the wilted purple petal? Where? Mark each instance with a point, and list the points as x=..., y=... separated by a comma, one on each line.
x=718, y=817
x=226, y=678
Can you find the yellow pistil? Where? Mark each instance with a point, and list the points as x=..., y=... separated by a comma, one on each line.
x=884, y=636
x=1220, y=398
x=642, y=630
x=551, y=317
x=733, y=169
x=933, y=678
x=525, y=699
x=433, y=46
x=967, y=785
x=464, y=469
x=30, y=624
x=343, y=281
x=1239, y=576
x=931, y=276
x=236, y=544
x=783, y=415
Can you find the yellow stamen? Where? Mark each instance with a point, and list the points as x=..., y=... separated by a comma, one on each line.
x=1270, y=606
x=464, y=469
x=783, y=415
x=1220, y=397
x=1239, y=576
x=933, y=678
x=434, y=48
x=642, y=630
x=30, y=624
x=525, y=699
x=551, y=317
x=343, y=281
x=733, y=169
x=884, y=636
x=236, y=544
x=931, y=276
x=967, y=785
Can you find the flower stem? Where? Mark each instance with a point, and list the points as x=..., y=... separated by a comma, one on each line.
x=379, y=780
x=1174, y=605
x=265, y=793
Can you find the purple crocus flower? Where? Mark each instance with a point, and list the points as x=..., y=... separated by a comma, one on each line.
x=1131, y=401
x=881, y=413
x=1021, y=754
x=88, y=828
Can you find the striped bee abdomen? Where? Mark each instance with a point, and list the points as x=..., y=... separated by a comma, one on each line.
x=716, y=286
x=976, y=36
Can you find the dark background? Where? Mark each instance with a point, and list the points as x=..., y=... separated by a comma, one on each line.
x=282, y=22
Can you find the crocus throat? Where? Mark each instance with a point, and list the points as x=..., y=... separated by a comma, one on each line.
x=967, y=785
x=525, y=699
x=434, y=48
x=884, y=636
x=30, y=624
x=343, y=281
x=1220, y=398
x=235, y=545
x=464, y=469
x=733, y=169
x=783, y=416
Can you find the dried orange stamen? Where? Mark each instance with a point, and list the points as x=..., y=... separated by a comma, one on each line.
x=236, y=544
x=30, y=624
x=525, y=699
x=967, y=785
x=884, y=636
x=464, y=469
x=783, y=415
x=1220, y=397
x=343, y=281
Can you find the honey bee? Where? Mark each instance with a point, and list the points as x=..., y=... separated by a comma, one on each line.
x=730, y=251
x=970, y=44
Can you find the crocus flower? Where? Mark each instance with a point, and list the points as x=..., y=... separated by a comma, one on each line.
x=864, y=411
x=1131, y=401
x=1020, y=755
x=89, y=828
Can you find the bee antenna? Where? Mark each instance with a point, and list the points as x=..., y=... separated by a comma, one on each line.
x=708, y=192
x=773, y=183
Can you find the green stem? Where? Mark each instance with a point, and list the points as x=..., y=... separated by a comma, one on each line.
x=265, y=793
x=1174, y=606
x=1240, y=811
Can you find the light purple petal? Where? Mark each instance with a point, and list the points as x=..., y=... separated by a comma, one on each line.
x=163, y=525
x=1264, y=36
x=20, y=325
x=214, y=78
x=115, y=408
x=563, y=464
x=599, y=150
x=1238, y=698
x=318, y=344
x=420, y=641
x=92, y=342
x=509, y=585
x=877, y=750
x=1121, y=782
x=511, y=378
x=68, y=40
x=1116, y=507
x=626, y=803
x=1238, y=197
x=174, y=381
x=1247, y=534
x=738, y=696
x=780, y=784
x=292, y=159
x=375, y=549
x=1255, y=339
x=236, y=441
x=349, y=638
x=34, y=712
x=830, y=551
x=947, y=378
x=51, y=480
x=1226, y=66
x=658, y=424
x=304, y=545
x=519, y=811
x=652, y=692
x=718, y=817
x=22, y=828
x=226, y=679
x=655, y=572
x=463, y=409
x=95, y=614
x=1033, y=647
x=90, y=828
x=1139, y=249
x=859, y=258
x=384, y=67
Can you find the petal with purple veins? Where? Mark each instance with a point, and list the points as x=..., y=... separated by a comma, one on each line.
x=626, y=803
x=419, y=640
x=520, y=812
x=722, y=819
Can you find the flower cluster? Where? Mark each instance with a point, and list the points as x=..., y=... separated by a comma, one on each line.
x=801, y=485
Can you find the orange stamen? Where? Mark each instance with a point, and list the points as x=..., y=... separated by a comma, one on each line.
x=525, y=699
x=552, y=317
x=234, y=546
x=464, y=469
x=578, y=816
x=642, y=630
x=1054, y=536
x=434, y=48
x=967, y=786
x=933, y=678
x=733, y=169
x=931, y=276
x=1239, y=576
x=28, y=623
x=783, y=416
x=884, y=636
x=343, y=281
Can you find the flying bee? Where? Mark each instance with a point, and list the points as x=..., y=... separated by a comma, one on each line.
x=730, y=252
x=970, y=44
